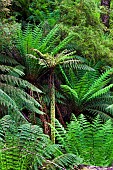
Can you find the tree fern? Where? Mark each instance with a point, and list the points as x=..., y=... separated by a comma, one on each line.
x=89, y=93
x=49, y=53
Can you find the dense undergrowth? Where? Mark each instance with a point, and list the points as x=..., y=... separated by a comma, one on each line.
x=55, y=60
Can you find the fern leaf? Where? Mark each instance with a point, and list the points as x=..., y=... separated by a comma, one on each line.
x=98, y=83
x=62, y=44
x=9, y=103
x=67, y=159
x=6, y=60
x=49, y=38
x=101, y=92
x=19, y=82
x=70, y=91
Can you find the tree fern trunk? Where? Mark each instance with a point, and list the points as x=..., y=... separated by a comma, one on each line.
x=52, y=104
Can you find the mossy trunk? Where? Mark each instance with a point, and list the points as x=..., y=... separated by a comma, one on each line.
x=52, y=105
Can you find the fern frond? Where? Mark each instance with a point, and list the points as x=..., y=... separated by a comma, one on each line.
x=110, y=109
x=62, y=44
x=84, y=96
x=64, y=75
x=21, y=98
x=65, y=160
x=19, y=82
x=60, y=132
x=70, y=91
x=62, y=56
x=101, y=92
x=37, y=34
x=9, y=103
x=104, y=115
x=52, y=44
x=92, y=141
x=83, y=66
x=10, y=69
x=98, y=83
x=48, y=39
x=72, y=63
x=6, y=60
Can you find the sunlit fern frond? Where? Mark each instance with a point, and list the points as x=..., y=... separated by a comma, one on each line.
x=82, y=137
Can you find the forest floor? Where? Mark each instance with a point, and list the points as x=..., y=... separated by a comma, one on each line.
x=83, y=167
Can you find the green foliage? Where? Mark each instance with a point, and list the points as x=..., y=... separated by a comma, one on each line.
x=111, y=15
x=45, y=42
x=84, y=18
x=35, y=39
x=46, y=49
x=47, y=46
x=69, y=160
x=26, y=147
x=4, y=7
x=8, y=34
x=13, y=89
x=36, y=11
x=93, y=142
x=93, y=43
x=80, y=12
x=89, y=93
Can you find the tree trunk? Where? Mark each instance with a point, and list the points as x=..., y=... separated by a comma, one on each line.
x=105, y=16
x=52, y=105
